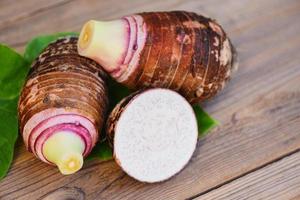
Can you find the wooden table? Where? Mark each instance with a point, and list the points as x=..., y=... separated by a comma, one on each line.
x=253, y=154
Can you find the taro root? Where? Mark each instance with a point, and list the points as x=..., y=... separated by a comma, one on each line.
x=62, y=106
x=180, y=50
x=153, y=134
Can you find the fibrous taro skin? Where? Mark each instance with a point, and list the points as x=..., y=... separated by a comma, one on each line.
x=183, y=51
x=62, y=105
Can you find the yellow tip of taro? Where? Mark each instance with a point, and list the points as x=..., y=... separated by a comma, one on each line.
x=86, y=35
x=65, y=149
x=70, y=164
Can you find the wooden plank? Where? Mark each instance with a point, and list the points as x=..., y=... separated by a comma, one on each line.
x=277, y=181
x=71, y=15
x=11, y=11
x=259, y=109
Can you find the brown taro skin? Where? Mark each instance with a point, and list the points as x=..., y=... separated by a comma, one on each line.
x=60, y=79
x=186, y=52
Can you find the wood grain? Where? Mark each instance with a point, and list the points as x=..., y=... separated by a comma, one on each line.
x=12, y=12
x=278, y=181
x=259, y=110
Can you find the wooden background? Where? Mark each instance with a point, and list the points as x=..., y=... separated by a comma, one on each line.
x=253, y=154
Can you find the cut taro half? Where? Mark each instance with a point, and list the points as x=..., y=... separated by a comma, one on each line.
x=153, y=134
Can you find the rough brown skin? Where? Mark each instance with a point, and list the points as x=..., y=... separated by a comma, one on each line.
x=184, y=55
x=182, y=51
x=60, y=78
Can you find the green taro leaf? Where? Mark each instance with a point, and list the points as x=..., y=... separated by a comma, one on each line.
x=204, y=120
x=13, y=70
x=6, y=152
x=116, y=93
x=8, y=134
x=39, y=43
x=9, y=105
x=101, y=151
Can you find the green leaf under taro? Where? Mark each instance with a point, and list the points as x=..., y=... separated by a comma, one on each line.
x=6, y=152
x=13, y=70
x=101, y=151
x=8, y=134
x=205, y=121
x=116, y=93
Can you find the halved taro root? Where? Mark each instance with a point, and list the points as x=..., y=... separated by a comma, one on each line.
x=153, y=134
x=62, y=106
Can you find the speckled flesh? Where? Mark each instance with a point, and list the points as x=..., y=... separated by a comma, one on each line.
x=153, y=134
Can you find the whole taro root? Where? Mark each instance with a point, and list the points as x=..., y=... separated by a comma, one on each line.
x=180, y=50
x=62, y=106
